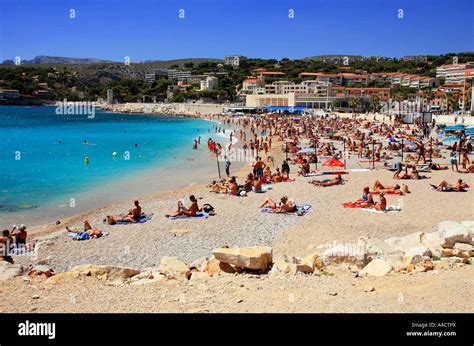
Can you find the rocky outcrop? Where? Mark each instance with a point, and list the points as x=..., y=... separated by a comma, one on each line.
x=451, y=232
x=376, y=267
x=173, y=268
x=9, y=271
x=352, y=254
x=255, y=257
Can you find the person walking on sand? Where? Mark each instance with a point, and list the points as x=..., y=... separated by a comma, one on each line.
x=227, y=166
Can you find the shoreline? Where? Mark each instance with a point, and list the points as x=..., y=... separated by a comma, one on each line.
x=154, y=174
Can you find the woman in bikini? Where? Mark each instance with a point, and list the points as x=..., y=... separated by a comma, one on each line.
x=328, y=182
x=189, y=211
x=284, y=206
x=367, y=200
x=88, y=229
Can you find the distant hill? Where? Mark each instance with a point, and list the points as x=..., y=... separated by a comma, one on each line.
x=57, y=60
x=44, y=59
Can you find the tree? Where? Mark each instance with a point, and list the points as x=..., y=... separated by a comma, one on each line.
x=451, y=99
x=354, y=102
x=374, y=102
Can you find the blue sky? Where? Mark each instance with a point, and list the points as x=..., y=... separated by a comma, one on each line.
x=152, y=30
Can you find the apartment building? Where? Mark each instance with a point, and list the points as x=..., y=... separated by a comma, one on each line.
x=454, y=73
x=383, y=93
x=8, y=94
x=210, y=83
x=338, y=78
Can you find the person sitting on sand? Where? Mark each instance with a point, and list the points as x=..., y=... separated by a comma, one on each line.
x=328, y=182
x=367, y=200
x=230, y=187
x=257, y=185
x=88, y=229
x=133, y=215
x=267, y=175
x=189, y=211
x=445, y=186
x=277, y=178
x=248, y=183
x=381, y=205
x=304, y=168
x=6, y=242
x=284, y=206
x=394, y=189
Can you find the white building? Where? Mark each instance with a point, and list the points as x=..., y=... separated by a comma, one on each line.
x=210, y=83
x=6, y=94
x=454, y=73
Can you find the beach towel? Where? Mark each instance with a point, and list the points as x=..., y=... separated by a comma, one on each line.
x=302, y=210
x=359, y=170
x=323, y=173
x=74, y=235
x=389, y=209
x=199, y=215
x=144, y=218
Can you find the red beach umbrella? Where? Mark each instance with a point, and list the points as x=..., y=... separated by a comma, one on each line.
x=333, y=163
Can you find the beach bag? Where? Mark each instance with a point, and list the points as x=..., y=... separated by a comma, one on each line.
x=81, y=236
x=207, y=208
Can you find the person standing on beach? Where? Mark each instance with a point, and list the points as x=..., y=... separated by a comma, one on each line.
x=227, y=166
x=285, y=168
x=454, y=159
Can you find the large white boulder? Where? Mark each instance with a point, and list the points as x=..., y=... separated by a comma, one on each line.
x=173, y=268
x=451, y=232
x=418, y=251
x=403, y=244
x=346, y=253
x=376, y=267
x=9, y=271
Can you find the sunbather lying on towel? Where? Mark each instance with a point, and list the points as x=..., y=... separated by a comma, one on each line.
x=456, y=187
x=437, y=167
x=88, y=229
x=327, y=182
x=392, y=189
x=284, y=206
x=133, y=215
x=189, y=211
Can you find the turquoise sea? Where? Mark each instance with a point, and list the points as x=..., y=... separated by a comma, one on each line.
x=42, y=157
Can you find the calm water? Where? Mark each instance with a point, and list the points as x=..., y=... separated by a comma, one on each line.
x=42, y=156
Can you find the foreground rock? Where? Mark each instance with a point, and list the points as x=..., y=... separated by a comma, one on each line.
x=9, y=271
x=255, y=257
x=451, y=232
x=377, y=267
x=173, y=268
x=100, y=272
x=351, y=254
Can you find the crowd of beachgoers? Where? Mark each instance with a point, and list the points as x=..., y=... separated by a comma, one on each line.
x=335, y=146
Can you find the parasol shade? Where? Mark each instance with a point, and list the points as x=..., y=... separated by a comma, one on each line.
x=333, y=163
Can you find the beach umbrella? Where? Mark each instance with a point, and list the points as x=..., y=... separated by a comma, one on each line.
x=333, y=163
